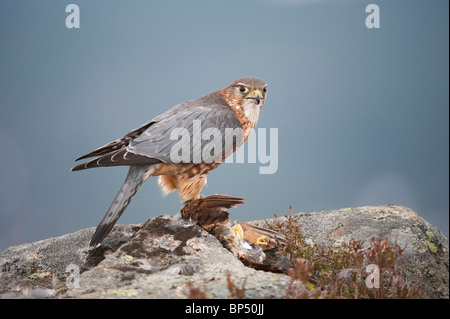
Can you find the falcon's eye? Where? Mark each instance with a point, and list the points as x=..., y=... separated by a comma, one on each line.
x=265, y=89
x=242, y=89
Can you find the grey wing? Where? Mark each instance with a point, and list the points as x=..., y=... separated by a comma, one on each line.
x=154, y=141
x=194, y=134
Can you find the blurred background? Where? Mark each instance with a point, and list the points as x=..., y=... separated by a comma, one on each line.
x=362, y=114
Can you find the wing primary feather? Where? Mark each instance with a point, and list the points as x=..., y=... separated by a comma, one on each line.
x=117, y=158
x=117, y=144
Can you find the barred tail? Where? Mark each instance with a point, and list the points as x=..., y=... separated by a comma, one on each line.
x=136, y=176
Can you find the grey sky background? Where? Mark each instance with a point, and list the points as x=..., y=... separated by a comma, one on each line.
x=362, y=114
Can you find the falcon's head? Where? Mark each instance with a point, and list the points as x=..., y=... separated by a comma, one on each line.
x=247, y=95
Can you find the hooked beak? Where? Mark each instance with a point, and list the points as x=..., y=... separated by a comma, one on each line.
x=255, y=96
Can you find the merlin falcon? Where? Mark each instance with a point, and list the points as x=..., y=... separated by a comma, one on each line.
x=149, y=149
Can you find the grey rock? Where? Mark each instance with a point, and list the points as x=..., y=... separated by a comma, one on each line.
x=154, y=260
x=162, y=257
x=426, y=251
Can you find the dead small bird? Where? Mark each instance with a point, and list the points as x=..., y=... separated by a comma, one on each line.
x=244, y=240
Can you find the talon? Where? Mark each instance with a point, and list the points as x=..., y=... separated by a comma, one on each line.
x=262, y=240
x=238, y=231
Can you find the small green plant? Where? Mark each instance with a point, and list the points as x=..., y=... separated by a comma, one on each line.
x=290, y=227
x=193, y=292
x=324, y=272
x=235, y=291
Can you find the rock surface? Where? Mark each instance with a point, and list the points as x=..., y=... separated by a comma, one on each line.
x=162, y=257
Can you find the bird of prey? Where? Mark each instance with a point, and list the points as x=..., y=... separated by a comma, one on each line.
x=153, y=149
